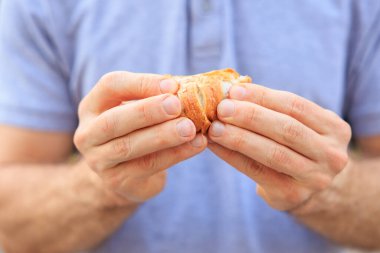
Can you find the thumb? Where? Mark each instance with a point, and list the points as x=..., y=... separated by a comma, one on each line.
x=115, y=87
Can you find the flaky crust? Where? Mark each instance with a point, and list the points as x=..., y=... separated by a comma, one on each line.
x=200, y=94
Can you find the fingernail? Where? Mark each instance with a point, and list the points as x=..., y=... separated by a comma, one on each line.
x=185, y=128
x=171, y=105
x=168, y=86
x=226, y=108
x=238, y=92
x=197, y=142
x=216, y=129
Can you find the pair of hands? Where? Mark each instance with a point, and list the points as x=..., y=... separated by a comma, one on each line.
x=130, y=132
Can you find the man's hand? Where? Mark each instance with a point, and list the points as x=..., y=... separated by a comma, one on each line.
x=290, y=146
x=129, y=133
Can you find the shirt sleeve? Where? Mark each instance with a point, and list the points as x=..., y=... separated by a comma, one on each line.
x=363, y=96
x=34, y=90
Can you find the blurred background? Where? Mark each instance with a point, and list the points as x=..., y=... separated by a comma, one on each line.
x=348, y=251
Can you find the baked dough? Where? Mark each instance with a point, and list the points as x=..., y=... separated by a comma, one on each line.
x=200, y=94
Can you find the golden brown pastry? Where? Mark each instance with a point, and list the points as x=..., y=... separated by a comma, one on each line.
x=200, y=94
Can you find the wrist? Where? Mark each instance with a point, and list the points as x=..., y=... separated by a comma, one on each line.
x=331, y=198
x=317, y=203
x=91, y=189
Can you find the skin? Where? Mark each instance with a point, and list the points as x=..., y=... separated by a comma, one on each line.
x=117, y=171
x=89, y=199
x=296, y=151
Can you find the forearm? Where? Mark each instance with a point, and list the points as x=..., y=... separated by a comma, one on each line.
x=55, y=209
x=348, y=212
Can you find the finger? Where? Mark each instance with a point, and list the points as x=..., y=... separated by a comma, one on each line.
x=278, y=190
x=142, y=178
x=260, y=173
x=158, y=161
x=124, y=119
x=312, y=115
x=287, y=197
x=274, y=125
x=142, y=142
x=115, y=87
x=261, y=149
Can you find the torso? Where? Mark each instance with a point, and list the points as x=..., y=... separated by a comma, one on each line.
x=289, y=45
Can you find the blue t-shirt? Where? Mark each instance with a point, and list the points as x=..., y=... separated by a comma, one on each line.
x=53, y=52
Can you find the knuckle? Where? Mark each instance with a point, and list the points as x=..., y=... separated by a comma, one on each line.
x=108, y=124
x=251, y=115
x=144, y=113
x=82, y=108
x=297, y=105
x=340, y=126
x=160, y=137
x=108, y=78
x=293, y=195
x=80, y=138
x=335, y=119
x=253, y=169
x=109, y=81
x=121, y=147
x=293, y=198
x=277, y=156
x=145, y=84
x=149, y=162
x=94, y=163
x=321, y=181
x=292, y=131
x=238, y=141
x=144, y=81
x=337, y=159
x=346, y=131
x=262, y=98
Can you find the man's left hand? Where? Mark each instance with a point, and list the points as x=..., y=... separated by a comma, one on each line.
x=290, y=146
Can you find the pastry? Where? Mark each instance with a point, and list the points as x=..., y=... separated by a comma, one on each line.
x=200, y=94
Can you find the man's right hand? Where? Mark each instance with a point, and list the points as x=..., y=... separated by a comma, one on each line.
x=130, y=132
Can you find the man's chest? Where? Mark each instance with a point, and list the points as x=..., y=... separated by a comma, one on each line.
x=285, y=46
